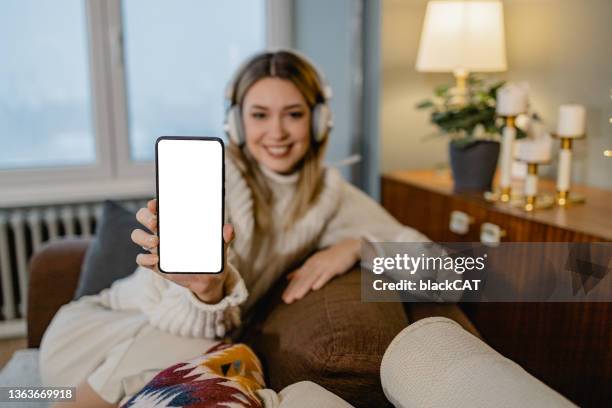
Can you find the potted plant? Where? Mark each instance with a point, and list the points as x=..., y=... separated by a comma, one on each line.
x=474, y=131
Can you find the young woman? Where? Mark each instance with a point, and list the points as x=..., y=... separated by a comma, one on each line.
x=286, y=214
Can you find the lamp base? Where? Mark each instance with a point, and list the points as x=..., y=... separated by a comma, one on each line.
x=460, y=91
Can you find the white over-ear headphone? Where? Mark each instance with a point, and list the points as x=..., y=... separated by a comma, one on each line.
x=321, y=116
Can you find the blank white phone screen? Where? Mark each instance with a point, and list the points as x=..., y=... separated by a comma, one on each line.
x=190, y=205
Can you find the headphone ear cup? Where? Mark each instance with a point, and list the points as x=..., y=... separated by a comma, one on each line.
x=321, y=121
x=233, y=125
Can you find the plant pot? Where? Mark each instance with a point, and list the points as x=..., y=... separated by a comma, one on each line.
x=473, y=165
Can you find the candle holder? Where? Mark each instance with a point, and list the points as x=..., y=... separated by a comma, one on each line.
x=504, y=192
x=532, y=200
x=564, y=197
x=508, y=136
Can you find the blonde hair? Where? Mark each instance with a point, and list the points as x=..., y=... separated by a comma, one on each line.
x=303, y=75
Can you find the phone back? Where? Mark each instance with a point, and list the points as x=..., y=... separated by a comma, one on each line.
x=190, y=204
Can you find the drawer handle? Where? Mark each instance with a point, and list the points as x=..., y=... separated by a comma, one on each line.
x=460, y=222
x=491, y=234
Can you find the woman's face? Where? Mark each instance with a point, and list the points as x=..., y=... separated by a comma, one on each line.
x=277, y=123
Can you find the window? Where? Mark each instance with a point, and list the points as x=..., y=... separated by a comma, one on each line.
x=45, y=101
x=178, y=57
x=87, y=86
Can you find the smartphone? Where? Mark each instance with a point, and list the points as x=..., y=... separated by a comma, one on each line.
x=190, y=177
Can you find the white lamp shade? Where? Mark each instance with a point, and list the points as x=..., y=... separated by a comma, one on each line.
x=462, y=35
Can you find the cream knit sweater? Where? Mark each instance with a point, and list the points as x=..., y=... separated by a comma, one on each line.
x=255, y=262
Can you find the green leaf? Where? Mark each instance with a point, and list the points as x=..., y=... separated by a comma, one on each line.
x=493, y=89
x=441, y=90
x=428, y=103
x=474, y=80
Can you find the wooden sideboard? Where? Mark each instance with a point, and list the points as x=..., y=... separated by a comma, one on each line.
x=566, y=345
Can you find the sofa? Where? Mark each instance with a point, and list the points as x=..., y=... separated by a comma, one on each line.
x=329, y=337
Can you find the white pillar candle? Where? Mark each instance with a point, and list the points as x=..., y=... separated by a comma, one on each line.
x=508, y=135
x=571, y=120
x=531, y=185
x=565, y=169
x=534, y=151
x=519, y=170
x=511, y=100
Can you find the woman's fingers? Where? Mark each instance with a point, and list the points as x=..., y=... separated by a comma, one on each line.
x=144, y=239
x=146, y=218
x=296, y=280
x=147, y=260
x=288, y=296
x=152, y=206
x=228, y=237
x=300, y=284
x=306, y=285
x=321, y=281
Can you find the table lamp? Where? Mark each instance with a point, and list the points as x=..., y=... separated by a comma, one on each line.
x=462, y=37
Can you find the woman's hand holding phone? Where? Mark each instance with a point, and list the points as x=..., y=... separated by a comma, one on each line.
x=207, y=287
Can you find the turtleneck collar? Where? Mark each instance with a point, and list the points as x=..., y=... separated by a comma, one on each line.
x=291, y=178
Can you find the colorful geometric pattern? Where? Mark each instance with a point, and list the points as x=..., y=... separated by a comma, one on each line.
x=227, y=375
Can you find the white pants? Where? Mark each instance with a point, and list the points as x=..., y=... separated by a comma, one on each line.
x=119, y=352
x=116, y=352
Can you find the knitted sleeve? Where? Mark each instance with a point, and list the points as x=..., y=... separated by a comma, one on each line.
x=174, y=308
x=359, y=216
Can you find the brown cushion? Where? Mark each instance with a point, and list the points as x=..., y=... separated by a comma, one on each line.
x=329, y=337
x=54, y=273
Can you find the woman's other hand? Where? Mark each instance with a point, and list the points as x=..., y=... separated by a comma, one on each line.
x=207, y=287
x=321, y=267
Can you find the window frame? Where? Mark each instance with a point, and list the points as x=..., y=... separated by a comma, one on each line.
x=114, y=174
x=31, y=184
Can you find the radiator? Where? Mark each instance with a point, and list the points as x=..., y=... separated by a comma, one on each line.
x=22, y=232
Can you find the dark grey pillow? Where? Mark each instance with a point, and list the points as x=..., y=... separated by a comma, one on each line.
x=111, y=254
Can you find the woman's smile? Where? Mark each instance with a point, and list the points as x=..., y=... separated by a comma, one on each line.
x=278, y=151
